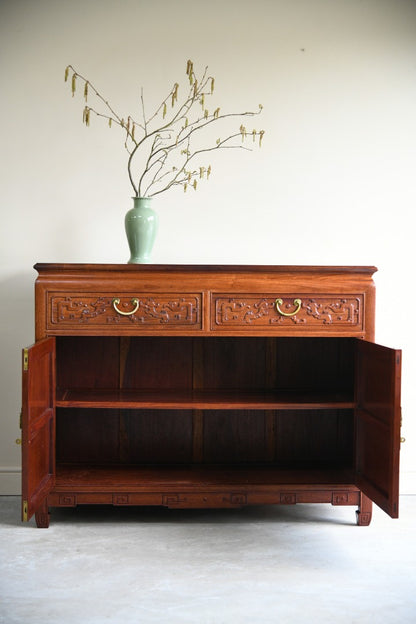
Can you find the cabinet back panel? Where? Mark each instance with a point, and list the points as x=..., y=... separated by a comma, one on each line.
x=315, y=363
x=87, y=362
x=98, y=436
x=229, y=363
x=155, y=436
x=284, y=437
x=319, y=364
x=87, y=436
x=156, y=362
x=314, y=436
x=234, y=436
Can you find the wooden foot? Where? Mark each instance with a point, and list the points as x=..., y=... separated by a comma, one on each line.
x=364, y=511
x=42, y=515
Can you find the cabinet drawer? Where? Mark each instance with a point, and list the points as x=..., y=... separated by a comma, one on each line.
x=285, y=311
x=153, y=311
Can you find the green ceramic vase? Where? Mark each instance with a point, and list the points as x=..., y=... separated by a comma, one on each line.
x=141, y=223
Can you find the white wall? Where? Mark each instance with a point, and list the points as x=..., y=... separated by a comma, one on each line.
x=334, y=182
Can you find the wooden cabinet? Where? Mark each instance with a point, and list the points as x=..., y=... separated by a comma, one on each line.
x=208, y=386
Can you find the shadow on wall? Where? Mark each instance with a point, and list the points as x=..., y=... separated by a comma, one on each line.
x=16, y=331
x=17, y=311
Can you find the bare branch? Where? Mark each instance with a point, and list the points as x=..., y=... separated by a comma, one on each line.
x=179, y=125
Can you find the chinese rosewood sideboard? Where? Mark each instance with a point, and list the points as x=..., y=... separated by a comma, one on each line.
x=208, y=386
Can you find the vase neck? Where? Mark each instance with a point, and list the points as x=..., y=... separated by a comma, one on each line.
x=142, y=202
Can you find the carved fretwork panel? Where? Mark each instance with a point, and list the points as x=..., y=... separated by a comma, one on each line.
x=293, y=310
x=204, y=499
x=130, y=309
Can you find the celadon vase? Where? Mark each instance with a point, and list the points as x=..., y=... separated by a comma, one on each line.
x=141, y=223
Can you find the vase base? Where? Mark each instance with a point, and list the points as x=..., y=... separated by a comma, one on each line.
x=138, y=261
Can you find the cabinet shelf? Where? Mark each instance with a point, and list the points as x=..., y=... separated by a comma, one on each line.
x=188, y=477
x=201, y=399
x=196, y=486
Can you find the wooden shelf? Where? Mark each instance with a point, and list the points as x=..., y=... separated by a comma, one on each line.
x=201, y=399
x=189, y=477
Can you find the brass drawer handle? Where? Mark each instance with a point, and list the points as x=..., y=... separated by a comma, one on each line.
x=296, y=302
x=134, y=301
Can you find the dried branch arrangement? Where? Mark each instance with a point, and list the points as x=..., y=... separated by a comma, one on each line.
x=168, y=142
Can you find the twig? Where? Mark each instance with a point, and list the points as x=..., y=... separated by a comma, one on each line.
x=166, y=138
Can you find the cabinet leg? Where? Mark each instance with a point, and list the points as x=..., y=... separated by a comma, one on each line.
x=364, y=511
x=42, y=515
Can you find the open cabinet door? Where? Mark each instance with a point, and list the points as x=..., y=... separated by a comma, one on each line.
x=38, y=425
x=378, y=424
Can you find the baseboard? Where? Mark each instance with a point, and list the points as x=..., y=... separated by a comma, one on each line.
x=10, y=481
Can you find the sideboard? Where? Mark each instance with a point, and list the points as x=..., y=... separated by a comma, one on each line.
x=208, y=387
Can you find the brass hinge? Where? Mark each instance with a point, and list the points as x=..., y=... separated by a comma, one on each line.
x=25, y=359
x=24, y=511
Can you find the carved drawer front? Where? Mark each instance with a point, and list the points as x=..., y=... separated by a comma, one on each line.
x=287, y=311
x=136, y=310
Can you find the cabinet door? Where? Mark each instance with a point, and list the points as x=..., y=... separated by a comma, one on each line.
x=378, y=424
x=38, y=424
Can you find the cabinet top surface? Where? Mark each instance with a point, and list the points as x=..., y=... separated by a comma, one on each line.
x=189, y=268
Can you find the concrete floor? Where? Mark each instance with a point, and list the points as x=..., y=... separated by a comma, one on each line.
x=280, y=564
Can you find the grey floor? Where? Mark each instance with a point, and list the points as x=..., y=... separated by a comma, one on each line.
x=306, y=563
